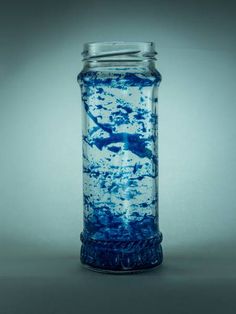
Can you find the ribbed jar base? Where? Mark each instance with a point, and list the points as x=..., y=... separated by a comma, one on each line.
x=121, y=256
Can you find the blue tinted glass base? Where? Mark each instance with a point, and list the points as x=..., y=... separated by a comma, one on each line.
x=121, y=256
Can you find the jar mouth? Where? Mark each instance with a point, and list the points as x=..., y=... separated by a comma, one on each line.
x=119, y=51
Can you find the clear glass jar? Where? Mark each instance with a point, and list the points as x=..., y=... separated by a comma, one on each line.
x=119, y=87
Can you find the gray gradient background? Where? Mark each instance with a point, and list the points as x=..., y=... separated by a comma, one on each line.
x=40, y=156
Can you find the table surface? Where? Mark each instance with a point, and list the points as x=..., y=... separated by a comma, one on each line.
x=189, y=281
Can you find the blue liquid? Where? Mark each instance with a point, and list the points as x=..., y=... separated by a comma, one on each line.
x=120, y=170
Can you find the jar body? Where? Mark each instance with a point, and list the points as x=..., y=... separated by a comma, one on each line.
x=120, y=167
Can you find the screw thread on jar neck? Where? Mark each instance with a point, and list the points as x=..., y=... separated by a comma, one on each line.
x=119, y=52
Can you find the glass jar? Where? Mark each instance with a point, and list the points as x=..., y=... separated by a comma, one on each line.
x=119, y=87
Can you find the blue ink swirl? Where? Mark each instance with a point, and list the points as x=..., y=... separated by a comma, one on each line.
x=120, y=170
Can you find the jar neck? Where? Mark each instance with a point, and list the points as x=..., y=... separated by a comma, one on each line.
x=119, y=55
x=119, y=65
